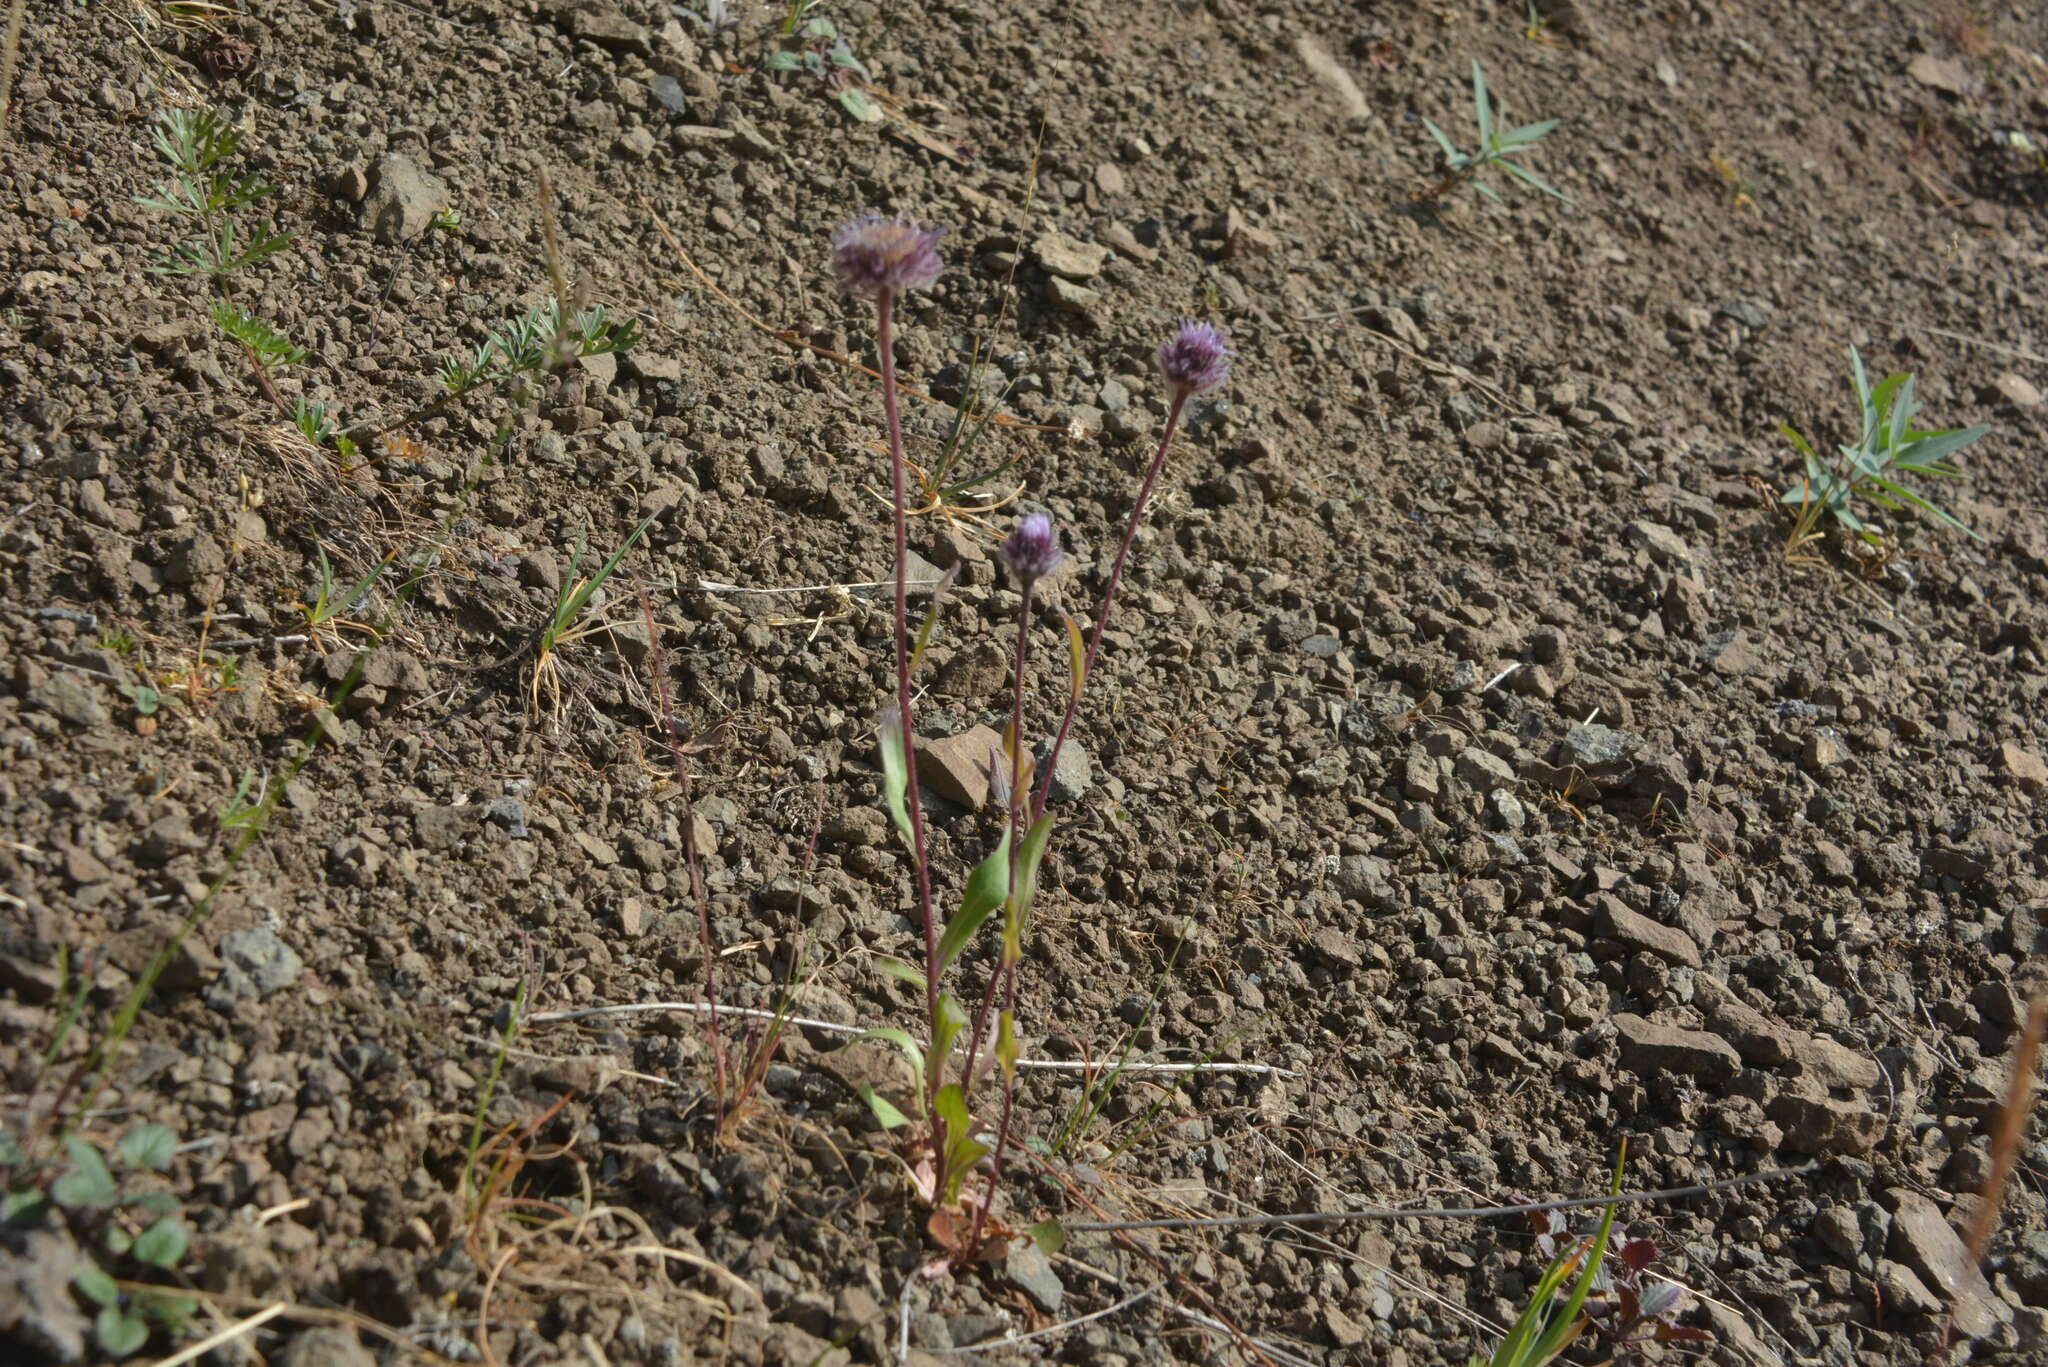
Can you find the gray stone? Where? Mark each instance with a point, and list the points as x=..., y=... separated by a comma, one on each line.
x=1074, y=775
x=1592, y=745
x=38, y=1313
x=255, y=963
x=71, y=698
x=329, y=1346
x=1747, y=312
x=1028, y=1269
x=440, y=827
x=1665, y=546
x=1483, y=770
x=404, y=198
x=1068, y=297
x=1363, y=878
x=1923, y=1241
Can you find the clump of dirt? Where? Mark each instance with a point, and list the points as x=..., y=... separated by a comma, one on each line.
x=1467, y=753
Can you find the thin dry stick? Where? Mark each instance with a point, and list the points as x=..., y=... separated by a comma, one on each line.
x=1319, y=1217
x=2005, y=1139
x=657, y=666
x=194, y=1351
x=835, y=1028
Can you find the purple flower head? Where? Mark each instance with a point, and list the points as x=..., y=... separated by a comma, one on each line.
x=1196, y=359
x=872, y=254
x=1033, y=550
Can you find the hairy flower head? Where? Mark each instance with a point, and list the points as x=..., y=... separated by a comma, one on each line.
x=1196, y=358
x=1032, y=551
x=872, y=255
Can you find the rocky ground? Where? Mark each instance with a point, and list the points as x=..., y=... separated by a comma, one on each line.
x=1467, y=745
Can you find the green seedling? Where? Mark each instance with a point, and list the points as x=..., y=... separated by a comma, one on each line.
x=323, y=615
x=543, y=339
x=1548, y=1326
x=1497, y=146
x=1869, y=468
x=823, y=53
x=270, y=347
x=319, y=428
x=197, y=143
x=123, y=1224
x=566, y=625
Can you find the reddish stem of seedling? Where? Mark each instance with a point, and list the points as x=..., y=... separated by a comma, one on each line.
x=885, y=327
x=1116, y=574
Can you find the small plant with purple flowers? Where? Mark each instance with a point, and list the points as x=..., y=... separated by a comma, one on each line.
x=881, y=259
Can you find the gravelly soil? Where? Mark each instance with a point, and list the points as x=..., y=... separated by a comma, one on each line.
x=1466, y=745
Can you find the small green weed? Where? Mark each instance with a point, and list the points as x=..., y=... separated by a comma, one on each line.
x=197, y=143
x=127, y=1223
x=1868, y=468
x=1497, y=145
x=823, y=53
x=323, y=615
x=566, y=624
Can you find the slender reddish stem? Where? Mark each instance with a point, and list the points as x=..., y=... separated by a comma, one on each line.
x=1116, y=574
x=885, y=309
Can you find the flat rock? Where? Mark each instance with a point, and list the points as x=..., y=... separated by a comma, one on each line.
x=959, y=768
x=1614, y=919
x=2024, y=767
x=404, y=198
x=255, y=963
x=1649, y=1047
x=1817, y=1124
x=1759, y=1039
x=2016, y=390
x=71, y=698
x=1924, y=1241
x=1069, y=257
x=1939, y=73
x=1591, y=744
x=1030, y=1271
x=1664, y=545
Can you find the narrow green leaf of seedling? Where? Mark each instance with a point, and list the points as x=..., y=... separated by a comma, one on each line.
x=963, y=1150
x=1006, y=1045
x=1050, y=1236
x=119, y=1241
x=163, y=1244
x=1029, y=856
x=884, y=1110
x=1482, y=111
x=781, y=61
x=896, y=777
x=88, y=1185
x=1077, y=655
x=931, y=615
x=1451, y=153
x=986, y=888
x=149, y=1146
x=900, y=970
x=946, y=1029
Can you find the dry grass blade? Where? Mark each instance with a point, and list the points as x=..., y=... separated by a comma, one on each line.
x=2005, y=1139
